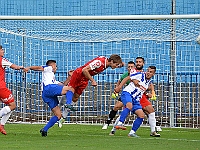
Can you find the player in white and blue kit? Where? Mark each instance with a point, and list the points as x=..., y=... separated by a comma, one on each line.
x=50, y=90
x=131, y=96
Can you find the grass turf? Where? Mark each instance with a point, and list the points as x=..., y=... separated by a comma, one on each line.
x=91, y=137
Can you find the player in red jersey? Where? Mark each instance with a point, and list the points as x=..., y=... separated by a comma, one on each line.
x=5, y=95
x=81, y=76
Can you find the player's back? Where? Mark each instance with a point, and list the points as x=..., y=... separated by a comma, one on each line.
x=97, y=65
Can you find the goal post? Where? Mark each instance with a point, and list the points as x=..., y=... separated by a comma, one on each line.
x=166, y=41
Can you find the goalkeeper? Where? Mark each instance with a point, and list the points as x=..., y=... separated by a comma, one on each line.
x=145, y=103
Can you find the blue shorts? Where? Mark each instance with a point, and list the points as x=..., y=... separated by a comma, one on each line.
x=127, y=97
x=50, y=93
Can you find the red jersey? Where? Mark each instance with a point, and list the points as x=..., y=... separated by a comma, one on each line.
x=78, y=80
x=97, y=65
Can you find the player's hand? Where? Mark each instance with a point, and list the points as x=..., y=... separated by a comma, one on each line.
x=153, y=96
x=117, y=89
x=26, y=69
x=94, y=83
x=114, y=95
x=70, y=72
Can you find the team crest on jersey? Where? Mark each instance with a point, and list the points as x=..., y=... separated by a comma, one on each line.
x=96, y=64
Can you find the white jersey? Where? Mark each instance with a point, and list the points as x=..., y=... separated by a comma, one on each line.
x=6, y=63
x=137, y=92
x=48, y=76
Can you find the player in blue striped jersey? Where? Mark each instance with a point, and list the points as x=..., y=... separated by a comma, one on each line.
x=131, y=96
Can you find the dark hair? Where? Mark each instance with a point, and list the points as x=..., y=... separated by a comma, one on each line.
x=131, y=62
x=153, y=67
x=116, y=58
x=1, y=47
x=50, y=61
x=141, y=58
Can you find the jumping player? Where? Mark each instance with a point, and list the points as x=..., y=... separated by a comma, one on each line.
x=81, y=76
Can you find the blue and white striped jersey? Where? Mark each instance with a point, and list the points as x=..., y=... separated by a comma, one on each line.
x=137, y=92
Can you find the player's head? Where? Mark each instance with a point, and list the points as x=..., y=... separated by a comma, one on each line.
x=130, y=66
x=115, y=61
x=139, y=63
x=52, y=63
x=1, y=51
x=150, y=72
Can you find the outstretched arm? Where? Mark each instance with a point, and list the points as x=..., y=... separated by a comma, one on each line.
x=35, y=68
x=16, y=67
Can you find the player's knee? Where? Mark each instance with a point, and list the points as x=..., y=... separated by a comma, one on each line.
x=75, y=99
x=129, y=105
x=149, y=109
x=12, y=105
x=140, y=114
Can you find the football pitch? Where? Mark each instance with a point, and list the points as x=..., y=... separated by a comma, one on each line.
x=92, y=137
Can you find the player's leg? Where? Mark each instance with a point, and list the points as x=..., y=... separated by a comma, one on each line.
x=112, y=132
x=150, y=112
x=74, y=83
x=7, y=98
x=127, y=101
x=52, y=121
x=113, y=113
x=152, y=119
x=137, y=109
x=49, y=96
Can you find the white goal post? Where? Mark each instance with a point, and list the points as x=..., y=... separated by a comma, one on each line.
x=166, y=41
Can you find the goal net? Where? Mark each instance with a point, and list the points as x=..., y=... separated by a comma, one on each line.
x=166, y=41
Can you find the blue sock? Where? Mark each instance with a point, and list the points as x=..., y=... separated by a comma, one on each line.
x=69, y=96
x=51, y=122
x=137, y=123
x=124, y=114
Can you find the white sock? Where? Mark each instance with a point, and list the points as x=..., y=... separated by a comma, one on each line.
x=131, y=132
x=5, y=118
x=5, y=110
x=152, y=121
x=116, y=122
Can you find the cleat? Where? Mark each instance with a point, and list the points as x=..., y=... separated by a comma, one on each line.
x=158, y=128
x=155, y=134
x=120, y=127
x=105, y=127
x=133, y=135
x=60, y=122
x=112, y=133
x=2, y=130
x=43, y=133
x=69, y=107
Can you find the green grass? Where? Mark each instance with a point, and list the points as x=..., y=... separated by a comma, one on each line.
x=91, y=137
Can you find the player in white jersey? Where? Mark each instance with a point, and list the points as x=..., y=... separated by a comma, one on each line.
x=5, y=94
x=131, y=96
x=50, y=90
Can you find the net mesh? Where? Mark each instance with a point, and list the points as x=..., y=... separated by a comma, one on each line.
x=104, y=30
x=73, y=43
